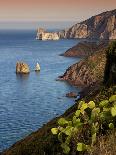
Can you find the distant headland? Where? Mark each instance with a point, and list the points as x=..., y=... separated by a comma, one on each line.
x=43, y=35
x=102, y=26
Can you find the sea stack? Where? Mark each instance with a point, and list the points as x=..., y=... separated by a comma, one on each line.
x=22, y=68
x=37, y=68
x=42, y=34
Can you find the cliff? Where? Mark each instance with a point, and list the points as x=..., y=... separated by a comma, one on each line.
x=102, y=26
x=42, y=142
x=88, y=71
x=43, y=35
x=84, y=49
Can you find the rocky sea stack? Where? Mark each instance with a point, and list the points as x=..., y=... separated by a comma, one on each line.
x=22, y=68
x=43, y=35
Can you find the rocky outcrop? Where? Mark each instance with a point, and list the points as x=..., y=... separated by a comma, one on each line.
x=37, y=68
x=87, y=72
x=84, y=49
x=71, y=95
x=43, y=35
x=22, y=68
x=102, y=26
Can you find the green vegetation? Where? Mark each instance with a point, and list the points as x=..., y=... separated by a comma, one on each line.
x=88, y=126
x=88, y=122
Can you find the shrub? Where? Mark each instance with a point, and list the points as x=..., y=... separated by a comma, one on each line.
x=87, y=123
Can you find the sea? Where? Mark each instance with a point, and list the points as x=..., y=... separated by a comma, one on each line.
x=29, y=101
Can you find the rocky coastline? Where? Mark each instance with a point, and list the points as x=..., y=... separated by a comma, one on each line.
x=91, y=72
x=88, y=71
x=85, y=48
x=42, y=142
x=100, y=27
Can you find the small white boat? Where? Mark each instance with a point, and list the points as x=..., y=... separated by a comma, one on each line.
x=37, y=68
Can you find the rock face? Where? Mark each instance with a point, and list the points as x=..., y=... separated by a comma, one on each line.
x=102, y=26
x=22, y=68
x=110, y=69
x=71, y=95
x=43, y=35
x=84, y=49
x=87, y=72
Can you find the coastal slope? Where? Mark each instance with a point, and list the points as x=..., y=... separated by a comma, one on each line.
x=84, y=49
x=101, y=26
x=88, y=71
x=42, y=142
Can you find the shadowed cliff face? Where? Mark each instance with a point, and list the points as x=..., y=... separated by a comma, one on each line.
x=102, y=26
x=110, y=70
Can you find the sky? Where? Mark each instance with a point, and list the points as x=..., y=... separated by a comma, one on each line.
x=22, y=11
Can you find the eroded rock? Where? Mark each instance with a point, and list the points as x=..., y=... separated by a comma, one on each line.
x=71, y=95
x=22, y=68
x=43, y=35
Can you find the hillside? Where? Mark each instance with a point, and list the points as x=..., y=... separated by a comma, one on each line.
x=101, y=26
x=42, y=142
x=88, y=71
x=84, y=49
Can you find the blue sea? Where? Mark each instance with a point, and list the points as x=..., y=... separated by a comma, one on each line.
x=27, y=102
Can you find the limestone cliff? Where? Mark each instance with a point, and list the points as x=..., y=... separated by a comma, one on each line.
x=102, y=26
x=43, y=35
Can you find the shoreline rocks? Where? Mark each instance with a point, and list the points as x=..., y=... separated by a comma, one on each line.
x=71, y=95
x=22, y=68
